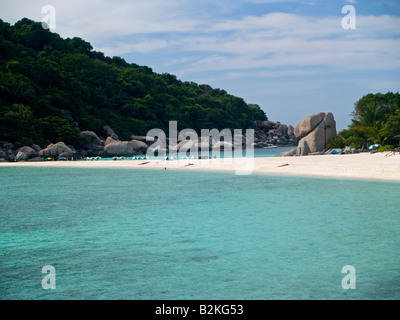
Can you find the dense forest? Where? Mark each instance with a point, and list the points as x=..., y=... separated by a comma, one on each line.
x=53, y=88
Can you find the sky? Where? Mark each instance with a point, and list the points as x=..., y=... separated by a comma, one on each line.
x=291, y=57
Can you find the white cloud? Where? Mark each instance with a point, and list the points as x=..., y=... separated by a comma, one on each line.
x=272, y=1
x=145, y=46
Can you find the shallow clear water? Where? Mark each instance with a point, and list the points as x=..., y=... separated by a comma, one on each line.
x=132, y=234
x=257, y=153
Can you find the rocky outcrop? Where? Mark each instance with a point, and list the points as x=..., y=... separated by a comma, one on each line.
x=276, y=133
x=314, y=133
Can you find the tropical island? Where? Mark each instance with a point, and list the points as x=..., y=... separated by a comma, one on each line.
x=59, y=97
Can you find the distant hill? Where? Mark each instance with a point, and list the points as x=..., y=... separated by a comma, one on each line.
x=52, y=88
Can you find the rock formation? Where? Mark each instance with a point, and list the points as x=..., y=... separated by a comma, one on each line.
x=56, y=150
x=110, y=132
x=125, y=148
x=95, y=146
x=276, y=133
x=314, y=133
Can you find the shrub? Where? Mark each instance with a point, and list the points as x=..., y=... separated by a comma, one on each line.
x=386, y=148
x=336, y=142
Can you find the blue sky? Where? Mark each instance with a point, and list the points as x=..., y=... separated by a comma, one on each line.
x=291, y=57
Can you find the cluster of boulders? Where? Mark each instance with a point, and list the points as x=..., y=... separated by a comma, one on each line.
x=112, y=146
x=268, y=133
x=20, y=152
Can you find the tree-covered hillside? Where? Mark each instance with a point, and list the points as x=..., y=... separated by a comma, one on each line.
x=53, y=88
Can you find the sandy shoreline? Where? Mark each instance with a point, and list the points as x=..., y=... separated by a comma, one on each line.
x=378, y=166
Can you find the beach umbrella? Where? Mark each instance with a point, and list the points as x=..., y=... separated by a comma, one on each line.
x=374, y=146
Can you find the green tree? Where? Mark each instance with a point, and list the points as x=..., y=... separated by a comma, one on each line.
x=17, y=123
x=371, y=114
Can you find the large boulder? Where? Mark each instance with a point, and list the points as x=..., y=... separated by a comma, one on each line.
x=308, y=124
x=110, y=140
x=36, y=147
x=91, y=137
x=125, y=148
x=267, y=125
x=3, y=155
x=95, y=144
x=139, y=147
x=30, y=152
x=144, y=139
x=54, y=150
x=110, y=132
x=314, y=133
x=21, y=156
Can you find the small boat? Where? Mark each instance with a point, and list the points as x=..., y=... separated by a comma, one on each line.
x=271, y=147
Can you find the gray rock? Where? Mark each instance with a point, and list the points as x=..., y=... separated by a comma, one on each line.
x=3, y=155
x=36, y=147
x=125, y=148
x=290, y=153
x=290, y=130
x=143, y=139
x=110, y=132
x=317, y=139
x=139, y=147
x=8, y=145
x=110, y=140
x=267, y=125
x=91, y=137
x=330, y=127
x=30, y=152
x=21, y=156
x=282, y=128
x=55, y=150
x=308, y=124
x=36, y=159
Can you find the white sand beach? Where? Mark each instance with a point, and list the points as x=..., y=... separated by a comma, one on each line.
x=378, y=166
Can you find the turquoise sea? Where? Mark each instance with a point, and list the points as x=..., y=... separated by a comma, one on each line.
x=150, y=234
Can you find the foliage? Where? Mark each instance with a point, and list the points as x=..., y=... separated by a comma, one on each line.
x=49, y=84
x=376, y=119
x=386, y=148
x=336, y=142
